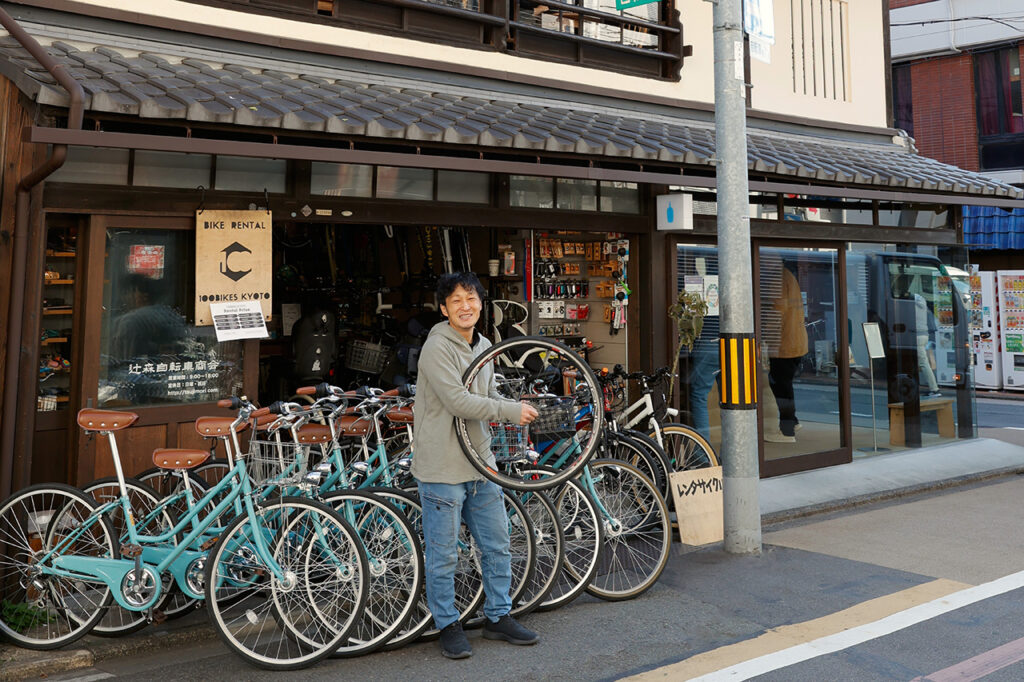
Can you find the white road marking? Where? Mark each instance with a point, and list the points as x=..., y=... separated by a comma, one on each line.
x=863, y=633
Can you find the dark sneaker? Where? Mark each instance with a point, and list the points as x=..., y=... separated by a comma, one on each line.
x=509, y=630
x=454, y=643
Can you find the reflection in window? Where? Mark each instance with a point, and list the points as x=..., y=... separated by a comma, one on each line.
x=170, y=169
x=465, y=187
x=341, y=180
x=405, y=183
x=527, y=191
x=620, y=197
x=577, y=195
x=151, y=353
x=245, y=174
x=94, y=166
x=913, y=216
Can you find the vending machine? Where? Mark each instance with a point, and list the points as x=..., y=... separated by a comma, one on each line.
x=1011, y=327
x=984, y=325
x=944, y=358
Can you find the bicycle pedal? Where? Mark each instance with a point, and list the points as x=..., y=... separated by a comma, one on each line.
x=129, y=551
x=208, y=545
x=158, y=617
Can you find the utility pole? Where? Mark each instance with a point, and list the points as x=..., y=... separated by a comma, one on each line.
x=737, y=346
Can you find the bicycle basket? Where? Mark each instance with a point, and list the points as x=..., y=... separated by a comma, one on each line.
x=555, y=421
x=270, y=461
x=508, y=441
x=363, y=356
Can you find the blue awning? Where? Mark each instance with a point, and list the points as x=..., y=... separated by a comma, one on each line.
x=986, y=227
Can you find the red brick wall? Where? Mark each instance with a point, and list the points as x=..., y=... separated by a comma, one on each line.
x=896, y=4
x=945, y=122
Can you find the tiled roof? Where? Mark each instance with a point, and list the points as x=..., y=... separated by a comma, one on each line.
x=993, y=228
x=157, y=80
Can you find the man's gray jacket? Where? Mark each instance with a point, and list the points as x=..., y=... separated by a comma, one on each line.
x=440, y=397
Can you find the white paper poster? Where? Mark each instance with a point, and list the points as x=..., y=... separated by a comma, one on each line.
x=711, y=294
x=290, y=314
x=242, y=320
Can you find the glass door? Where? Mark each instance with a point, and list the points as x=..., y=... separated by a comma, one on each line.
x=801, y=374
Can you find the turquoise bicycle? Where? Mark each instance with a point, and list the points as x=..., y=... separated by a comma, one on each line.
x=284, y=584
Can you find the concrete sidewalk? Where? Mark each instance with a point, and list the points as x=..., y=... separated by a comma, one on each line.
x=879, y=477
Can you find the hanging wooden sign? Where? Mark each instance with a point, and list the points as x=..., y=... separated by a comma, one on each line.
x=233, y=260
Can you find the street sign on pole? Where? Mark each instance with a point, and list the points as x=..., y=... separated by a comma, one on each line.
x=741, y=476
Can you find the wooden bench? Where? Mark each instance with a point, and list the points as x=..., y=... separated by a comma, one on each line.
x=943, y=408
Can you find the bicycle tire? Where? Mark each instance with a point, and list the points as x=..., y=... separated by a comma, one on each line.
x=583, y=538
x=144, y=500
x=548, y=548
x=40, y=609
x=395, y=560
x=656, y=451
x=686, y=448
x=638, y=535
x=327, y=598
x=524, y=354
x=628, y=448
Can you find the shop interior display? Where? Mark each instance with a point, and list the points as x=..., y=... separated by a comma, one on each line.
x=353, y=305
x=55, y=338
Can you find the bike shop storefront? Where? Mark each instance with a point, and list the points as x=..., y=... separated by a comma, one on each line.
x=353, y=263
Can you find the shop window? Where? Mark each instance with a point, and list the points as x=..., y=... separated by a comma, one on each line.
x=341, y=180
x=902, y=100
x=94, y=166
x=527, y=191
x=620, y=197
x=465, y=187
x=415, y=184
x=799, y=335
x=577, y=195
x=908, y=215
x=246, y=174
x=814, y=209
x=169, y=169
x=151, y=351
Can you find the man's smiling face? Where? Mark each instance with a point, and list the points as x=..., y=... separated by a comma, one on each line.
x=462, y=308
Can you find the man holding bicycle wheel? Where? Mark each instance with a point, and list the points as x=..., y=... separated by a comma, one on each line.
x=451, y=490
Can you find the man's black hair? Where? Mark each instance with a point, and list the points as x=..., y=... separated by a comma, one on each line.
x=446, y=284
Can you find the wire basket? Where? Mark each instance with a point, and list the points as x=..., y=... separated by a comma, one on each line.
x=508, y=442
x=270, y=461
x=555, y=421
x=363, y=356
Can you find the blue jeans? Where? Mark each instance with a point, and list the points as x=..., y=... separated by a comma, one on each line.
x=482, y=506
x=703, y=365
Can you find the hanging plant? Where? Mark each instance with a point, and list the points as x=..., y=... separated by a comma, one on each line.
x=688, y=312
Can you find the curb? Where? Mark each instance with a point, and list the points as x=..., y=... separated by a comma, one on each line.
x=20, y=664
x=785, y=515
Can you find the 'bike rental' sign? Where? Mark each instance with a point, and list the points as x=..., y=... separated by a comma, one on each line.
x=233, y=260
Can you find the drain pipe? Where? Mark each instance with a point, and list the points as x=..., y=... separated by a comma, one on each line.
x=20, y=248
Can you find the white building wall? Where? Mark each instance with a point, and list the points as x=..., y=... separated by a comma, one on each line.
x=942, y=26
x=863, y=104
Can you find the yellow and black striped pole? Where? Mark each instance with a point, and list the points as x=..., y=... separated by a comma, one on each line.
x=737, y=355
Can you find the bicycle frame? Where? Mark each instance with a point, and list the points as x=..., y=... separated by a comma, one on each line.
x=157, y=555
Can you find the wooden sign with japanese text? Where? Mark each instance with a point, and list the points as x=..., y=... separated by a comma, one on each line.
x=233, y=260
x=698, y=497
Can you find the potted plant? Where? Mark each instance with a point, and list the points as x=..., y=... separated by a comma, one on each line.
x=688, y=312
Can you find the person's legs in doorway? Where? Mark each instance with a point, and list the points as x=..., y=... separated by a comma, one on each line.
x=781, y=374
x=703, y=365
